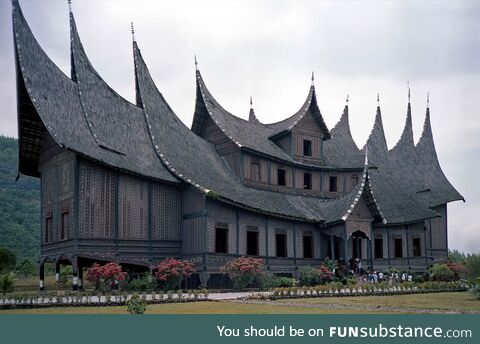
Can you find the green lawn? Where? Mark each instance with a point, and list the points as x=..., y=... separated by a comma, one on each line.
x=343, y=305
x=463, y=301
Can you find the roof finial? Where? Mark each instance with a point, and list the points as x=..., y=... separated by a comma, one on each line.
x=70, y=5
x=408, y=85
x=347, y=99
x=251, y=102
x=313, y=78
x=133, y=31
x=195, y=60
x=428, y=99
x=378, y=99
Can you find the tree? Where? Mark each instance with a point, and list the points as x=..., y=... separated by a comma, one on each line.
x=170, y=272
x=105, y=276
x=243, y=270
x=7, y=281
x=26, y=268
x=7, y=260
x=472, y=266
x=441, y=272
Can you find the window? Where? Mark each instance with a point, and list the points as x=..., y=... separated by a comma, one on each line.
x=333, y=184
x=307, y=181
x=48, y=228
x=221, y=239
x=307, y=246
x=281, y=243
x=65, y=226
x=281, y=177
x=378, y=248
x=307, y=148
x=354, y=181
x=255, y=171
x=417, y=248
x=398, y=247
x=252, y=241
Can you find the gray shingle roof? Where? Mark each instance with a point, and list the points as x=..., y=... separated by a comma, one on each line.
x=58, y=101
x=404, y=170
x=341, y=151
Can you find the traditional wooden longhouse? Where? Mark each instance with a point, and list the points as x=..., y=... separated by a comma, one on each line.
x=131, y=183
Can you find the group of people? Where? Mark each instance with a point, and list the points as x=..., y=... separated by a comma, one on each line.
x=392, y=277
x=355, y=267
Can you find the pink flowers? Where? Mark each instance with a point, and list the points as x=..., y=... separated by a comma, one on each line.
x=106, y=275
x=325, y=274
x=242, y=271
x=171, y=271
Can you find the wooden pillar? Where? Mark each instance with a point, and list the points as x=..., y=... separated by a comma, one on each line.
x=332, y=247
x=41, y=277
x=80, y=277
x=57, y=272
x=408, y=248
x=75, y=274
x=237, y=224
x=266, y=242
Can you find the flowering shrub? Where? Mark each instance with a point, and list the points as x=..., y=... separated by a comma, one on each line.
x=105, y=276
x=326, y=275
x=171, y=271
x=242, y=271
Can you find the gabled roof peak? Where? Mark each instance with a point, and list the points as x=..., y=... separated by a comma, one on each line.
x=251, y=115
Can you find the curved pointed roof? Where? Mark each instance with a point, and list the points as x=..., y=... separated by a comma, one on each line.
x=210, y=174
x=376, y=142
x=310, y=105
x=60, y=107
x=430, y=172
x=341, y=150
x=250, y=135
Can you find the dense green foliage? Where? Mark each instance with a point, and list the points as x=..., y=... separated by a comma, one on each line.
x=471, y=261
x=19, y=205
x=7, y=282
x=441, y=272
x=136, y=305
x=7, y=260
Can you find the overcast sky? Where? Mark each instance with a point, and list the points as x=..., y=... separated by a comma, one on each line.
x=268, y=50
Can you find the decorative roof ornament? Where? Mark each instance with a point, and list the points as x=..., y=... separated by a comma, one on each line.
x=195, y=61
x=408, y=86
x=378, y=99
x=251, y=103
x=346, y=100
x=428, y=100
x=133, y=31
x=70, y=6
x=313, y=78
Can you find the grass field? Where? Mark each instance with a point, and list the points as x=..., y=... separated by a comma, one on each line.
x=439, y=302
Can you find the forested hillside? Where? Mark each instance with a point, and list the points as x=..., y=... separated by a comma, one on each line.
x=19, y=205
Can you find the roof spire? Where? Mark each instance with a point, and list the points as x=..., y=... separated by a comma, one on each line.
x=313, y=77
x=133, y=31
x=428, y=100
x=378, y=99
x=251, y=102
x=408, y=85
x=195, y=61
x=70, y=6
x=346, y=100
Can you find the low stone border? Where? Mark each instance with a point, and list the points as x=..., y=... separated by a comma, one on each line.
x=96, y=300
x=344, y=292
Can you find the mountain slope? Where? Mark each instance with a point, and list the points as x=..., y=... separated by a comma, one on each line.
x=19, y=205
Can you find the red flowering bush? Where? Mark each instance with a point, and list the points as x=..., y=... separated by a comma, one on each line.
x=171, y=271
x=326, y=275
x=105, y=276
x=242, y=271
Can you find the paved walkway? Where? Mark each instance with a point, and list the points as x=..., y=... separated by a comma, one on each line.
x=235, y=296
